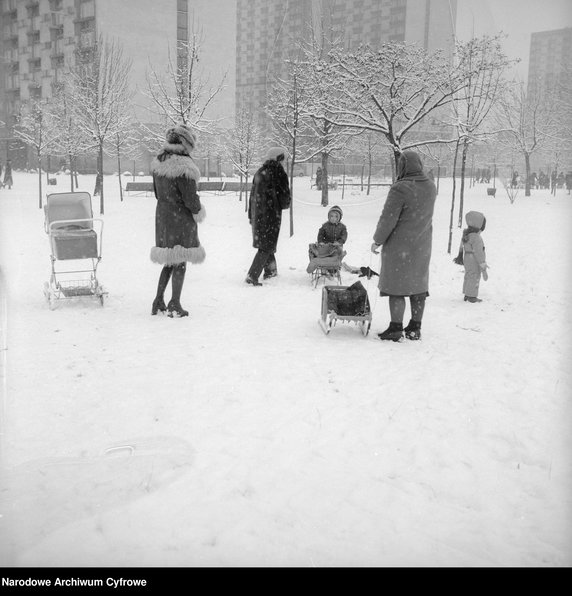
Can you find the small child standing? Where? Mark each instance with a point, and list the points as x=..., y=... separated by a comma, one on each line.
x=474, y=258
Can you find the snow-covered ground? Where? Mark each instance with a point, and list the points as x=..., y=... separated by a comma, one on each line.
x=244, y=436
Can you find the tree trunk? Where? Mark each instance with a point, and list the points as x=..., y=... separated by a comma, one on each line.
x=292, y=186
x=119, y=174
x=40, y=179
x=527, y=174
x=396, y=155
x=462, y=189
x=325, y=180
x=100, y=179
x=369, y=164
x=452, y=200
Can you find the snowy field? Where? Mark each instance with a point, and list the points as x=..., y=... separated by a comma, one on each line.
x=244, y=436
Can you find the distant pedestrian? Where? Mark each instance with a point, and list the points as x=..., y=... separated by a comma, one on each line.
x=270, y=194
x=568, y=181
x=405, y=232
x=8, y=175
x=319, y=179
x=474, y=258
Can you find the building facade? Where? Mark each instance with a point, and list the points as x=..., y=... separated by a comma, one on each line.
x=268, y=31
x=550, y=61
x=41, y=39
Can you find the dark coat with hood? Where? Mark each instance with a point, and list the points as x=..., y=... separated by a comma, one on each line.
x=405, y=230
x=175, y=178
x=270, y=194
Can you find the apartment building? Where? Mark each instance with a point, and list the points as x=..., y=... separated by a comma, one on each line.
x=268, y=31
x=41, y=39
x=550, y=61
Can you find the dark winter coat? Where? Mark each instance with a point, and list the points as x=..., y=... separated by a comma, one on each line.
x=8, y=174
x=405, y=230
x=330, y=233
x=178, y=208
x=270, y=194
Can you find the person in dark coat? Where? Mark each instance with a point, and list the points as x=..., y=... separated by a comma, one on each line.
x=175, y=180
x=8, y=175
x=319, y=179
x=404, y=231
x=270, y=194
x=568, y=181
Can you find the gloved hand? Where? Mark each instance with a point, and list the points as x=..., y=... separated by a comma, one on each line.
x=484, y=273
x=374, y=248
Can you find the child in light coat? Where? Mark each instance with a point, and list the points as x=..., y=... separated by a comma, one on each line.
x=474, y=257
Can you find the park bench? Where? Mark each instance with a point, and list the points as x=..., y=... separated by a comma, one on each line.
x=139, y=187
x=216, y=186
x=237, y=187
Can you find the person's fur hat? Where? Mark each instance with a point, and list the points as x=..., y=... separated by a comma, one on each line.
x=183, y=135
x=276, y=154
x=337, y=210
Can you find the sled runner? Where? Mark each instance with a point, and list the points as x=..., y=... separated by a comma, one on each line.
x=75, y=247
x=346, y=304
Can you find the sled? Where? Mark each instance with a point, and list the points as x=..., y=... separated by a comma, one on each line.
x=348, y=304
x=75, y=247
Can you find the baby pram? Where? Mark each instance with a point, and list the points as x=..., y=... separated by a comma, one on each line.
x=74, y=235
x=346, y=304
x=325, y=262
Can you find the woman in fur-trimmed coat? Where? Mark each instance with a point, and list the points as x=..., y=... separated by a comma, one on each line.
x=175, y=180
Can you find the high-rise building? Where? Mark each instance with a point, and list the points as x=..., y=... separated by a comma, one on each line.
x=268, y=30
x=42, y=38
x=550, y=61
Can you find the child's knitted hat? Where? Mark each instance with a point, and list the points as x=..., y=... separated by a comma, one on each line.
x=336, y=209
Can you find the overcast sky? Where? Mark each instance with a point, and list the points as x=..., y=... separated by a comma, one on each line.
x=517, y=18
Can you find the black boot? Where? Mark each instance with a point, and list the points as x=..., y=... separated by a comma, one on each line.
x=158, y=306
x=159, y=302
x=413, y=330
x=394, y=332
x=472, y=299
x=174, y=307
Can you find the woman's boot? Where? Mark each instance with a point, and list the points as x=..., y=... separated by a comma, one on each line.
x=394, y=332
x=413, y=330
x=159, y=302
x=174, y=307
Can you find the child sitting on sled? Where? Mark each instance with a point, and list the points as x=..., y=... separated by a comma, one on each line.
x=332, y=236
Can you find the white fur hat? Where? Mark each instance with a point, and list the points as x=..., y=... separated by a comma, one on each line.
x=181, y=133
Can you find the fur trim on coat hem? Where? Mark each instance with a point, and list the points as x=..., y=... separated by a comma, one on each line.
x=200, y=216
x=177, y=255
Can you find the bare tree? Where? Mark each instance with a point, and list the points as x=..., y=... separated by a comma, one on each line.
x=390, y=90
x=482, y=64
x=37, y=129
x=527, y=123
x=320, y=113
x=183, y=95
x=244, y=144
x=286, y=101
x=100, y=85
